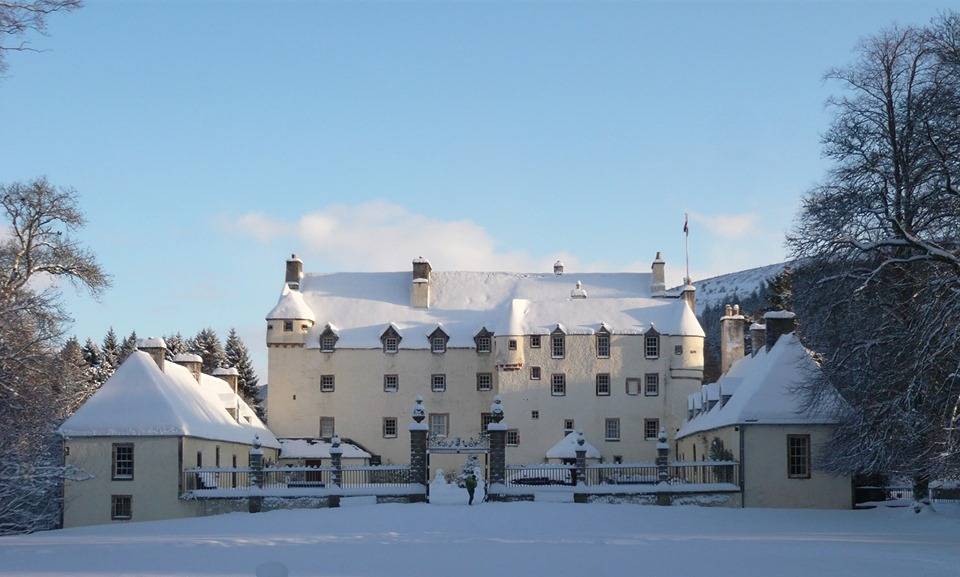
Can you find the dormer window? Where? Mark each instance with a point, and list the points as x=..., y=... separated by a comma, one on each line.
x=483, y=341
x=603, y=344
x=438, y=341
x=288, y=326
x=390, y=339
x=558, y=344
x=651, y=344
x=328, y=340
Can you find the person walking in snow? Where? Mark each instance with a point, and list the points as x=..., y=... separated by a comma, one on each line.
x=471, y=484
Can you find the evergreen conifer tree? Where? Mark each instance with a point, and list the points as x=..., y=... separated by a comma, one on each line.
x=207, y=345
x=110, y=350
x=127, y=348
x=238, y=357
x=175, y=345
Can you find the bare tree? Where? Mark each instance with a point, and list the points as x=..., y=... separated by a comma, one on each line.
x=20, y=17
x=40, y=385
x=880, y=239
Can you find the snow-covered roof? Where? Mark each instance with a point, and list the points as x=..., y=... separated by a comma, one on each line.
x=765, y=391
x=779, y=315
x=361, y=304
x=187, y=358
x=141, y=400
x=567, y=448
x=291, y=305
x=317, y=449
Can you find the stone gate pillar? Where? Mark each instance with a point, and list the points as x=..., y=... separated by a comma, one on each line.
x=336, y=461
x=497, y=430
x=580, y=475
x=663, y=467
x=255, y=502
x=418, y=444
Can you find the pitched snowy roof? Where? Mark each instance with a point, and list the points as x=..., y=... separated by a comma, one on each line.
x=360, y=304
x=317, y=449
x=291, y=305
x=567, y=448
x=765, y=391
x=141, y=400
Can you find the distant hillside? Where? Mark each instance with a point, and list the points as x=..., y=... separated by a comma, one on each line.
x=719, y=290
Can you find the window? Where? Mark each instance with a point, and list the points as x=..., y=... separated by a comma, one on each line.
x=534, y=415
x=558, y=385
x=484, y=344
x=603, y=345
x=617, y=459
x=439, y=424
x=122, y=461
x=485, y=419
x=391, y=383
x=512, y=344
x=216, y=456
x=534, y=373
x=513, y=437
x=567, y=425
x=798, y=456
x=438, y=383
x=199, y=459
x=557, y=346
x=651, y=387
x=534, y=341
x=326, y=427
x=121, y=507
x=484, y=381
x=651, y=429
x=611, y=429
x=390, y=344
x=603, y=385
x=326, y=383
x=651, y=346
x=328, y=343
x=389, y=427
x=438, y=344
x=633, y=387
x=678, y=350
x=288, y=326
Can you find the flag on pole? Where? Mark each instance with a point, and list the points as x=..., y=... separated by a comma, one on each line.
x=686, y=227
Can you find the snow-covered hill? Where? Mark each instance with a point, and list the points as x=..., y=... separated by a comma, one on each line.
x=717, y=290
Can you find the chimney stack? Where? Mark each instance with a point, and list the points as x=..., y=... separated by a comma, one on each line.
x=420, y=289
x=156, y=348
x=294, y=272
x=731, y=337
x=231, y=375
x=758, y=338
x=657, y=276
x=192, y=362
x=558, y=268
x=689, y=294
x=778, y=323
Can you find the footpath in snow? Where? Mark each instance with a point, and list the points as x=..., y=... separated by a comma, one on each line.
x=528, y=539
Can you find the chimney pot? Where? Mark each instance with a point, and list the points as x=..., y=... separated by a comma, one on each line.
x=657, y=275
x=420, y=288
x=156, y=347
x=778, y=323
x=294, y=272
x=192, y=362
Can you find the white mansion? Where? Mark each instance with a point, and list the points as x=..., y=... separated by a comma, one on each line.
x=613, y=355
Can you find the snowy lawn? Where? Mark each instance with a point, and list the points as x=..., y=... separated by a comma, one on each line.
x=529, y=539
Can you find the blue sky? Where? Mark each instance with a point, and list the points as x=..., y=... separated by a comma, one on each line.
x=209, y=140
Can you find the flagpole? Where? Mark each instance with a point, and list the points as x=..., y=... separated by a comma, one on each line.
x=686, y=243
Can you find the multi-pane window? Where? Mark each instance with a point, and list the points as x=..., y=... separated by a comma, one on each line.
x=603, y=345
x=534, y=373
x=328, y=343
x=438, y=383
x=439, y=424
x=389, y=427
x=326, y=427
x=122, y=461
x=391, y=383
x=121, y=507
x=390, y=344
x=678, y=350
x=534, y=415
x=326, y=383
x=558, y=346
x=651, y=429
x=485, y=419
x=558, y=385
x=513, y=437
x=534, y=341
x=438, y=344
x=603, y=385
x=484, y=344
x=611, y=428
x=651, y=347
x=798, y=456
x=512, y=344
x=633, y=387
x=288, y=326
x=651, y=385
x=484, y=381
x=567, y=425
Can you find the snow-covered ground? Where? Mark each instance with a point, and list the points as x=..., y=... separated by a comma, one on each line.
x=528, y=539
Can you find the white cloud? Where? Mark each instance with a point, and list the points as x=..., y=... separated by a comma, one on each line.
x=260, y=226
x=727, y=225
